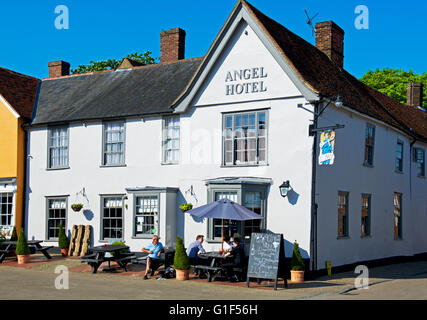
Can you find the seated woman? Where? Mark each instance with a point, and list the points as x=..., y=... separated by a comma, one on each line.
x=239, y=260
x=227, y=245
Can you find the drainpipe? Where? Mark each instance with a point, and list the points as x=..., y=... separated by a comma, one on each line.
x=313, y=233
x=410, y=166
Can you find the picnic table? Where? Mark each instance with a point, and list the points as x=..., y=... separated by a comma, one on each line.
x=98, y=256
x=10, y=245
x=214, y=269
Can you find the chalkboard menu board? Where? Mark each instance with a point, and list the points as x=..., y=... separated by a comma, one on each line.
x=266, y=257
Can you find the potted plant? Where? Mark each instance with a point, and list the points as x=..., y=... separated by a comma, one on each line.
x=22, y=249
x=77, y=207
x=297, y=265
x=186, y=207
x=181, y=262
x=14, y=236
x=63, y=242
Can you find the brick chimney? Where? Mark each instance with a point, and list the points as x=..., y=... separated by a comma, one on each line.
x=330, y=40
x=172, y=45
x=58, y=69
x=414, y=94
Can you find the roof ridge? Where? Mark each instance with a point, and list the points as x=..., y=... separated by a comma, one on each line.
x=113, y=70
x=19, y=74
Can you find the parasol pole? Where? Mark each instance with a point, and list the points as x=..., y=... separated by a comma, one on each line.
x=222, y=237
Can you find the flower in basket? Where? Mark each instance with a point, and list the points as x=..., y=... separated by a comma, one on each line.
x=77, y=207
x=186, y=207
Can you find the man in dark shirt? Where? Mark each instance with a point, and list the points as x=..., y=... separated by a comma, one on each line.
x=239, y=259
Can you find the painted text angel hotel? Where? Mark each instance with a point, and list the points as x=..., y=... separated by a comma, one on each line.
x=133, y=144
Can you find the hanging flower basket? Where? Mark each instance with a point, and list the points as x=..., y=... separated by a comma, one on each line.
x=77, y=207
x=186, y=207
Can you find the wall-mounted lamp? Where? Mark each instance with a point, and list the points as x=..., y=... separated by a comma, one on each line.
x=284, y=188
x=339, y=102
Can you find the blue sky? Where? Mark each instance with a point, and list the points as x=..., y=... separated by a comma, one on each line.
x=105, y=29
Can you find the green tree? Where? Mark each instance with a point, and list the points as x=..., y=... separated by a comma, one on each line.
x=109, y=64
x=63, y=242
x=14, y=236
x=22, y=247
x=297, y=263
x=181, y=260
x=392, y=82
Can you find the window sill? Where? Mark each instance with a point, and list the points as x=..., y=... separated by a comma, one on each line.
x=169, y=163
x=368, y=236
x=58, y=168
x=143, y=237
x=367, y=165
x=343, y=237
x=49, y=240
x=397, y=171
x=108, y=241
x=214, y=241
x=244, y=165
x=421, y=177
x=112, y=165
x=398, y=239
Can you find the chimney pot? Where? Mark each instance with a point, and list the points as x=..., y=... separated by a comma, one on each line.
x=330, y=40
x=172, y=45
x=58, y=69
x=414, y=94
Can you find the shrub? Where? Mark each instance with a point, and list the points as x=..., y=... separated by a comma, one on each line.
x=22, y=247
x=180, y=260
x=63, y=242
x=186, y=207
x=14, y=236
x=297, y=263
x=118, y=243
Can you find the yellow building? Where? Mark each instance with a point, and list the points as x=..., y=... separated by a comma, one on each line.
x=17, y=99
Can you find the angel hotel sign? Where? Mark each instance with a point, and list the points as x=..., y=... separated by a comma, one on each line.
x=245, y=81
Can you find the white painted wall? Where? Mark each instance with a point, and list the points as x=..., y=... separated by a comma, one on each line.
x=381, y=181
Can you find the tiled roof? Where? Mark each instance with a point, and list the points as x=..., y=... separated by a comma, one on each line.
x=19, y=90
x=123, y=93
x=322, y=76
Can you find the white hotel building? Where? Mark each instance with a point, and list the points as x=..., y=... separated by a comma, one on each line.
x=133, y=144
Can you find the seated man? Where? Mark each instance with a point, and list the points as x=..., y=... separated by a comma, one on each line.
x=239, y=259
x=193, y=250
x=154, y=251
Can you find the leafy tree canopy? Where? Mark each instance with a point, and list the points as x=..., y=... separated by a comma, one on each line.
x=392, y=82
x=113, y=63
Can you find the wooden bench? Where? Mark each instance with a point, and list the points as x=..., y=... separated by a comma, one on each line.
x=44, y=251
x=212, y=272
x=93, y=261
x=123, y=261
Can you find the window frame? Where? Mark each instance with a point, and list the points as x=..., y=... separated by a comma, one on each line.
x=241, y=190
x=49, y=147
x=369, y=209
x=415, y=159
x=267, y=124
x=165, y=140
x=104, y=142
x=366, y=161
x=135, y=201
x=399, y=224
x=48, y=199
x=10, y=215
x=346, y=229
x=399, y=169
x=101, y=220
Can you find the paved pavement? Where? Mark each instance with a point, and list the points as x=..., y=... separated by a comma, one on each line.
x=398, y=281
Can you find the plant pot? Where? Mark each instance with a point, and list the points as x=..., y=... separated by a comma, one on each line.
x=64, y=252
x=182, y=274
x=297, y=276
x=22, y=259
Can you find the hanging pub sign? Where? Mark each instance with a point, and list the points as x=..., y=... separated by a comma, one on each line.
x=327, y=145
